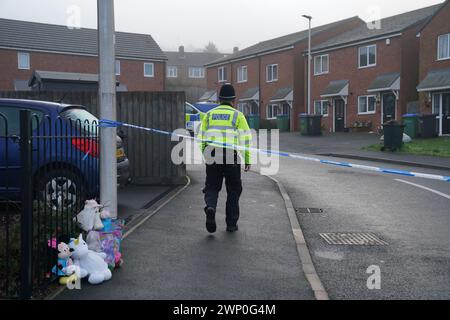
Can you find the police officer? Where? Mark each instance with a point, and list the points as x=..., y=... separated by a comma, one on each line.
x=224, y=128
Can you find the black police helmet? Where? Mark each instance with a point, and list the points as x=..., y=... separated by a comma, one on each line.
x=227, y=92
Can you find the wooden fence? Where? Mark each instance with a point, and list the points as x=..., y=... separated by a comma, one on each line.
x=149, y=153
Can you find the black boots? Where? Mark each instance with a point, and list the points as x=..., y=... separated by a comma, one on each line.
x=232, y=229
x=211, y=220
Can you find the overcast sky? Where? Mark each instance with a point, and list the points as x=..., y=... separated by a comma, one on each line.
x=193, y=23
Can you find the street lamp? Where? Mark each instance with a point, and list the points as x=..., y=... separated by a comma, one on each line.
x=309, y=63
x=107, y=101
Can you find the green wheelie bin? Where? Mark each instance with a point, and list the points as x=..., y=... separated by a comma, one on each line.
x=411, y=122
x=253, y=121
x=393, y=135
x=283, y=123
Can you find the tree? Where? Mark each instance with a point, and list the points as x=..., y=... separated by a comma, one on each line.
x=211, y=48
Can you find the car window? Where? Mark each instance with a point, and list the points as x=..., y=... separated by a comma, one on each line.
x=79, y=114
x=12, y=115
x=190, y=109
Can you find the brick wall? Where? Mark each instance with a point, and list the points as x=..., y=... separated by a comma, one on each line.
x=132, y=71
x=428, y=50
x=343, y=65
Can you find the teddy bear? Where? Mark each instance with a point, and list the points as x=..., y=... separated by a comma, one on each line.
x=90, y=217
x=91, y=264
x=64, y=261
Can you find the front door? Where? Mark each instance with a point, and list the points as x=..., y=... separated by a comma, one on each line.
x=389, y=101
x=446, y=113
x=339, y=115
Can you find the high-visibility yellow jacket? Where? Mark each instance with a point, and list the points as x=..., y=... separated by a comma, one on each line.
x=226, y=125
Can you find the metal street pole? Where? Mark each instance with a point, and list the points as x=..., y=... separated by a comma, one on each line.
x=107, y=100
x=309, y=63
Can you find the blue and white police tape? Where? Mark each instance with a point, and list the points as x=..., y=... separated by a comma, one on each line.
x=114, y=124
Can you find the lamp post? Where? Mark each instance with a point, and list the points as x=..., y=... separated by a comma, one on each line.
x=309, y=63
x=107, y=99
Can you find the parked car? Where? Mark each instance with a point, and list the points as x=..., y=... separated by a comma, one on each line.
x=195, y=114
x=65, y=160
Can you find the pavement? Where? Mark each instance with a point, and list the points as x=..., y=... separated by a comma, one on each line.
x=349, y=146
x=171, y=256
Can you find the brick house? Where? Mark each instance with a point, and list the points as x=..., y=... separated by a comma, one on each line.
x=434, y=67
x=368, y=76
x=186, y=72
x=53, y=57
x=269, y=77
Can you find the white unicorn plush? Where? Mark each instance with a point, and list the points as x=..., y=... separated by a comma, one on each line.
x=91, y=263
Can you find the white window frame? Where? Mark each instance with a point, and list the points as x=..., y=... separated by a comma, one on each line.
x=273, y=106
x=117, y=67
x=241, y=71
x=222, y=74
x=367, y=48
x=322, y=102
x=321, y=69
x=448, y=47
x=172, y=74
x=270, y=71
x=193, y=75
x=25, y=55
x=152, y=75
x=367, y=105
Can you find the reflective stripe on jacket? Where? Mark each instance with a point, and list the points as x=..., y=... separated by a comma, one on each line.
x=225, y=124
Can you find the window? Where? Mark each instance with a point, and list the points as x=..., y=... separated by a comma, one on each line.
x=272, y=73
x=222, y=74
x=444, y=47
x=366, y=104
x=321, y=65
x=244, y=108
x=117, y=67
x=190, y=109
x=149, y=70
x=196, y=72
x=437, y=103
x=13, y=116
x=272, y=111
x=23, y=60
x=242, y=74
x=321, y=107
x=368, y=56
x=172, y=72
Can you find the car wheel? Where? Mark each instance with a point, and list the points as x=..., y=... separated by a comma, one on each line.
x=61, y=189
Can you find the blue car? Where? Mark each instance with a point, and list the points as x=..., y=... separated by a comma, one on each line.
x=65, y=153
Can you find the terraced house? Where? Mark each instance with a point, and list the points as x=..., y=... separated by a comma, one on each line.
x=434, y=68
x=38, y=56
x=368, y=76
x=186, y=72
x=270, y=76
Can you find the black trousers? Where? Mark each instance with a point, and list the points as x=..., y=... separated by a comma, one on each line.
x=215, y=174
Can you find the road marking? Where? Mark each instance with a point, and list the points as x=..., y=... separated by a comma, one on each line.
x=425, y=188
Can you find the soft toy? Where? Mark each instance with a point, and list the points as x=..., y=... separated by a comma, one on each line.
x=89, y=219
x=93, y=241
x=64, y=261
x=91, y=263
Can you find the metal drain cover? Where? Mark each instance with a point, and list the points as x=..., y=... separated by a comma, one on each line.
x=309, y=210
x=353, y=239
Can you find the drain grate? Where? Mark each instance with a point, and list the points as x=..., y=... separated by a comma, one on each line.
x=353, y=239
x=309, y=210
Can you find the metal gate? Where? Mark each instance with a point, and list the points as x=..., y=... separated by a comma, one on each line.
x=48, y=168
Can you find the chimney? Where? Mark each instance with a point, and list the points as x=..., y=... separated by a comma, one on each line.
x=181, y=49
x=235, y=49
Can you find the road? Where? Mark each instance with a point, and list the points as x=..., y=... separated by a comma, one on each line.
x=413, y=221
x=411, y=214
